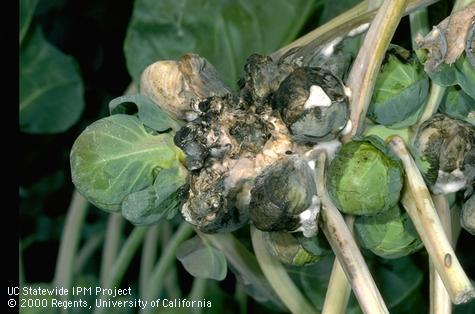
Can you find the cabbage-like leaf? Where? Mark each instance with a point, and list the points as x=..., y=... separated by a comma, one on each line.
x=390, y=234
x=116, y=156
x=51, y=89
x=401, y=90
x=202, y=260
x=465, y=74
x=148, y=112
x=147, y=207
x=27, y=7
x=459, y=105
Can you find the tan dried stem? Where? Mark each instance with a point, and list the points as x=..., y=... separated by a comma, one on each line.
x=346, y=250
x=418, y=203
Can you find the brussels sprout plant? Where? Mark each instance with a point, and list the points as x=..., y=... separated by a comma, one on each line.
x=345, y=147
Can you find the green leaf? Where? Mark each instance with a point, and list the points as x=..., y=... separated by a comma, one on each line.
x=149, y=113
x=225, y=32
x=400, y=91
x=457, y=104
x=147, y=207
x=27, y=7
x=51, y=89
x=116, y=156
x=465, y=75
x=202, y=260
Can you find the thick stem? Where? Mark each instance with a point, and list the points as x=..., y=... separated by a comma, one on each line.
x=439, y=298
x=149, y=256
x=70, y=238
x=87, y=251
x=346, y=250
x=366, y=66
x=111, y=245
x=167, y=257
x=123, y=260
x=242, y=261
x=418, y=203
x=21, y=270
x=278, y=277
x=339, y=289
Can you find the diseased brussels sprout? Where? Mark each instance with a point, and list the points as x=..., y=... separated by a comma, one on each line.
x=390, y=234
x=294, y=249
x=177, y=85
x=445, y=153
x=400, y=91
x=365, y=178
x=467, y=218
x=284, y=197
x=313, y=104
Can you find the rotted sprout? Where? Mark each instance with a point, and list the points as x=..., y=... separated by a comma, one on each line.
x=365, y=178
x=294, y=249
x=390, y=234
x=313, y=104
x=400, y=91
x=284, y=197
x=177, y=85
x=445, y=153
x=467, y=218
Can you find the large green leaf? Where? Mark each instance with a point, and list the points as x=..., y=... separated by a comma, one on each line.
x=116, y=156
x=202, y=260
x=225, y=32
x=27, y=7
x=51, y=89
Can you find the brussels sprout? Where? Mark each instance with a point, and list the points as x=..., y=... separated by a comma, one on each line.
x=365, y=178
x=284, y=197
x=467, y=219
x=313, y=104
x=444, y=151
x=458, y=105
x=295, y=250
x=390, y=234
x=400, y=91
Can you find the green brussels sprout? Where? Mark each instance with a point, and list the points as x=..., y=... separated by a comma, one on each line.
x=284, y=197
x=295, y=250
x=444, y=150
x=365, y=178
x=313, y=104
x=400, y=91
x=467, y=218
x=458, y=105
x=390, y=234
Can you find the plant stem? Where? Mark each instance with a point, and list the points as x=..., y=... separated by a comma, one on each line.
x=342, y=24
x=167, y=257
x=418, y=203
x=439, y=298
x=339, y=289
x=21, y=270
x=346, y=250
x=241, y=297
x=87, y=250
x=111, y=245
x=242, y=261
x=198, y=293
x=123, y=260
x=278, y=277
x=149, y=256
x=366, y=66
x=433, y=101
x=63, y=276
